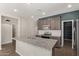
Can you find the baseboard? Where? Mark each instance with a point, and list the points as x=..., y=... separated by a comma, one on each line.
x=6, y=42
x=0, y=47
x=19, y=53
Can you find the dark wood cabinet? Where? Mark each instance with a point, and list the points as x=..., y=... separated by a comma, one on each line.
x=55, y=23
x=52, y=22
x=41, y=23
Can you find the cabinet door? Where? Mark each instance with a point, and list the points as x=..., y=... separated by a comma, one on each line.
x=52, y=25
x=55, y=23
x=47, y=23
x=39, y=24
x=42, y=23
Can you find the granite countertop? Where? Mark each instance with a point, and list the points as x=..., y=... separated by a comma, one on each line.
x=41, y=42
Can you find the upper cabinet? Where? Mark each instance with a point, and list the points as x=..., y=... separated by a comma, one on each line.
x=39, y=24
x=55, y=23
x=42, y=23
x=51, y=23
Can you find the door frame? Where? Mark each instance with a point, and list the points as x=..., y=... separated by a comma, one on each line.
x=62, y=39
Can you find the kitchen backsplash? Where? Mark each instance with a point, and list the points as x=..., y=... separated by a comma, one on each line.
x=53, y=32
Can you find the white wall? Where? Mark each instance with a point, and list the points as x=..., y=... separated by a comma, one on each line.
x=26, y=28
x=6, y=33
x=0, y=32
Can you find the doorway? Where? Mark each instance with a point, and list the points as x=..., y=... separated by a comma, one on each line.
x=68, y=33
x=8, y=36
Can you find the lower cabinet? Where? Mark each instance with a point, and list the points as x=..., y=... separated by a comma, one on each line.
x=58, y=44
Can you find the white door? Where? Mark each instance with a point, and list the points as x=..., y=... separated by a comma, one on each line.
x=6, y=33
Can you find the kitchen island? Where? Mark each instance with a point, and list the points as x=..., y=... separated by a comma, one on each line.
x=35, y=46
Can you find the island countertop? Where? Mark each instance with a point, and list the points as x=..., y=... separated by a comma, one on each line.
x=41, y=42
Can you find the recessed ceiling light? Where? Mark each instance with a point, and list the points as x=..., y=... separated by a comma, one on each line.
x=44, y=13
x=32, y=16
x=15, y=10
x=28, y=3
x=69, y=6
x=7, y=20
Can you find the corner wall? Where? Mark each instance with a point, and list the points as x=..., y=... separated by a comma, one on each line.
x=0, y=32
x=6, y=33
x=26, y=28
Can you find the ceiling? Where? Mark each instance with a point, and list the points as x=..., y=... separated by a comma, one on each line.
x=36, y=10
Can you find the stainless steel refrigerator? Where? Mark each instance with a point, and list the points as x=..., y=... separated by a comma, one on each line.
x=77, y=23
